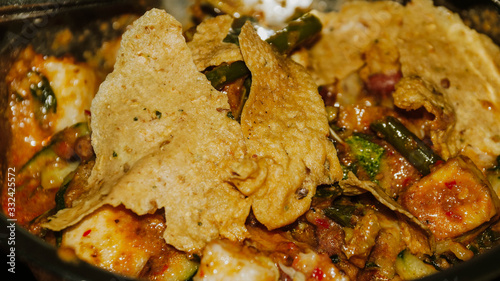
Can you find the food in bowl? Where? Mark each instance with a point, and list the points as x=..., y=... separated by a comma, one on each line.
x=359, y=144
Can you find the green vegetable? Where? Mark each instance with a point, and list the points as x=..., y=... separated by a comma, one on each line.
x=60, y=204
x=234, y=32
x=473, y=249
x=328, y=191
x=51, y=167
x=42, y=91
x=367, y=153
x=410, y=267
x=341, y=214
x=438, y=262
x=226, y=73
x=405, y=142
x=180, y=267
x=371, y=265
x=347, y=169
x=332, y=113
x=53, y=176
x=335, y=259
x=285, y=40
x=488, y=239
x=297, y=32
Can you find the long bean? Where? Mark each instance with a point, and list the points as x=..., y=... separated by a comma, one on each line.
x=405, y=142
x=297, y=32
x=285, y=40
x=226, y=73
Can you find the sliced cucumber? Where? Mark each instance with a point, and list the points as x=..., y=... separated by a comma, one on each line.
x=53, y=176
x=49, y=166
x=180, y=268
x=410, y=267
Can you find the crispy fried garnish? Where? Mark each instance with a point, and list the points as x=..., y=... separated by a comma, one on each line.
x=162, y=140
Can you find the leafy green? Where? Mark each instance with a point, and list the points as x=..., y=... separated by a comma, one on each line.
x=328, y=191
x=341, y=214
x=408, y=144
x=40, y=88
x=488, y=238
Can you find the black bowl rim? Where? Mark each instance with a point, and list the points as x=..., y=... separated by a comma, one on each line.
x=37, y=253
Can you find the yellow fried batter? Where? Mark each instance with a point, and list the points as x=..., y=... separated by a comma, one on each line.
x=285, y=127
x=162, y=140
x=460, y=68
x=447, y=68
x=207, y=46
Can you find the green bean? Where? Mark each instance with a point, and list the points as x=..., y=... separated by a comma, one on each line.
x=405, y=142
x=285, y=40
x=296, y=33
x=234, y=32
x=226, y=73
